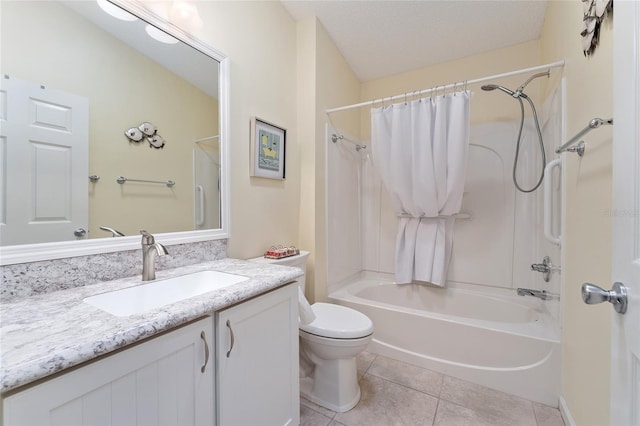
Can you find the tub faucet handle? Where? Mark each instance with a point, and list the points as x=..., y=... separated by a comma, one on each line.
x=539, y=267
x=546, y=267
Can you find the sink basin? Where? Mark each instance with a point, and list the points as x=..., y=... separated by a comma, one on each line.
x=138, y=299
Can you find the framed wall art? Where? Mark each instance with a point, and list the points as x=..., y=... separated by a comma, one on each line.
x=268, y=149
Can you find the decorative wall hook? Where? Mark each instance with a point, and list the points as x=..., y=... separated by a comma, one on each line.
x=156, y=141
x=134, y=134
x=148, y=131
x=147, y=128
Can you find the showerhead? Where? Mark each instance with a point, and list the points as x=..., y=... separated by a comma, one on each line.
x=518, y=93
x=490, y=87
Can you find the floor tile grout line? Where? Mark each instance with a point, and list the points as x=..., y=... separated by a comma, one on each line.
x=435, y=414
x=500, y=393
x=476, y=409
x=313, y=409
x=375, y=356
x=413, y=366
x=535, y=416
x=406, y=386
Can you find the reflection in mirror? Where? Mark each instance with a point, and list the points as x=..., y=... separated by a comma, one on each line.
x=78, y=86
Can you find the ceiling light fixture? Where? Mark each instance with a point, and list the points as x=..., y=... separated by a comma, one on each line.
x=115, y=11
x=185, y=15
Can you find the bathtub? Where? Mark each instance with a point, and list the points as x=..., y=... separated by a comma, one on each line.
x=488, y=336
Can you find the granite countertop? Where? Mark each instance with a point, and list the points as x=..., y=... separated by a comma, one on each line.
x=42, y=335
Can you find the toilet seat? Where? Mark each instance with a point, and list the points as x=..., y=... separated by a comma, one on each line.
x=338, y=322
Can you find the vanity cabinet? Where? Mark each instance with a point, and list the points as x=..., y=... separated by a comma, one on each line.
x=257, y=361
x=164, y=380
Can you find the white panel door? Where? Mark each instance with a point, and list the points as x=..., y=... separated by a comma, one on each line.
x=44, y=153
x=167, y=380
x=257, y=361
x=625, y=351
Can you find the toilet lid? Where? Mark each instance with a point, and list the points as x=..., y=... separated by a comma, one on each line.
x=338, y=322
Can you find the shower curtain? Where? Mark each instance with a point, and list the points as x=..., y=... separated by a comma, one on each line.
x=419, y=148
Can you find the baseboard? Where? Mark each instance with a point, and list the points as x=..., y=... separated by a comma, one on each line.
x=566, y=414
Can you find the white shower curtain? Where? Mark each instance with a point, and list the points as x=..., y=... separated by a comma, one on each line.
x=419, y=148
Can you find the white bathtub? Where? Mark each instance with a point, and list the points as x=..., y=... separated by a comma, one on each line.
x=491, y=337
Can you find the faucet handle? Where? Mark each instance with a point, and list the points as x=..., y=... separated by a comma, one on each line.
x=147, y=238
x=546, y=267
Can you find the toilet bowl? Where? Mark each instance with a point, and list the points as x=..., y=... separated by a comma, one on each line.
x=328, y=348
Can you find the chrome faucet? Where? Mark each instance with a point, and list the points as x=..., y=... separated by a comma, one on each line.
x=149, y=251
x=540, y=294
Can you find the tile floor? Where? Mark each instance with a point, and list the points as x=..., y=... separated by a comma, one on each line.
x=396, y=393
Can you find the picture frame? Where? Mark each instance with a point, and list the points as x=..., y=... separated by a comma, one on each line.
x=268, y=149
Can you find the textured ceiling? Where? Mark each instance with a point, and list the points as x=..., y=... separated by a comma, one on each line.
x=382, y=38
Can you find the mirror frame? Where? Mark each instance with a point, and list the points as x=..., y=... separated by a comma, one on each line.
x=58, y=250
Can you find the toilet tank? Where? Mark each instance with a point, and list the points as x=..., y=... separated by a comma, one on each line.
x=298, y=261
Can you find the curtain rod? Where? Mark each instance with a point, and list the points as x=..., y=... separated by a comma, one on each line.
x=448, y=86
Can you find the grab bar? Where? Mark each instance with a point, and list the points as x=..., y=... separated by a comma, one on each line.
x=200, y=190
x=593, y=124
x=121, y=180
x=548, y=193
x=335, y=138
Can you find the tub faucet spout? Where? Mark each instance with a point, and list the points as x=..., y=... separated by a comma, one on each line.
x=540, y=294
x=150, y=249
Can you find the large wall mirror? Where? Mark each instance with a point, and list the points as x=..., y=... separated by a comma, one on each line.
x=113, y=120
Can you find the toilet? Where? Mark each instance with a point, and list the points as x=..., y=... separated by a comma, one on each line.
x=328, y=348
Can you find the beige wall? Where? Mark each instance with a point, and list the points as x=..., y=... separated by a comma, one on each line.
x=287, y=74
x=260, y=40
x=587, y=226
x=41, y=44
x=485, y=106
x=325, y=81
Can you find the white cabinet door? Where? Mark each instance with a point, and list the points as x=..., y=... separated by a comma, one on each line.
x=165, y=380
x=257, y=361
